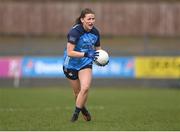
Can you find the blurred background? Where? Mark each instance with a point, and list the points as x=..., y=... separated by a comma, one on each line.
x=142, y=38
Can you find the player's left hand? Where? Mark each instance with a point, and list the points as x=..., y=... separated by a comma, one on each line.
x=91, y=54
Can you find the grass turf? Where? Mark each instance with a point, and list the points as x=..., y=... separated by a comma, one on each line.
x=115, y=109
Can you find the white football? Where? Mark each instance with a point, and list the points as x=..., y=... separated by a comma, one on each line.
x=102, y=59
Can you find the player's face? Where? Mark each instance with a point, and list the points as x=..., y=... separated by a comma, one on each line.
x=88, y=21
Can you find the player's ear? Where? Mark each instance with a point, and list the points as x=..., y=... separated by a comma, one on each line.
x=82, y=20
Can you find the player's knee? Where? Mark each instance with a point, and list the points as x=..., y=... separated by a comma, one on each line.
x=84, y=90
x=76, y=93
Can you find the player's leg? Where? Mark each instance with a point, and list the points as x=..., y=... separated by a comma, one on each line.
x=75, y=84
x=72, y=76
x=85, y=77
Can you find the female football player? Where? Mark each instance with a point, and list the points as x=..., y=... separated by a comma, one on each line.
x=83, y=41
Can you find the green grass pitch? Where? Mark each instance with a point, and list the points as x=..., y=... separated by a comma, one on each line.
x=115, y=109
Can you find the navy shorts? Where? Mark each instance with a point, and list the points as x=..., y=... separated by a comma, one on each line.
x=72, y=73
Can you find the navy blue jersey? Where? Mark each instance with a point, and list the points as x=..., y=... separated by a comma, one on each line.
x=83, y=42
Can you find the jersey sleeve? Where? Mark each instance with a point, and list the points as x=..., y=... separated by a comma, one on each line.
x=73, y=36
x=97, y=44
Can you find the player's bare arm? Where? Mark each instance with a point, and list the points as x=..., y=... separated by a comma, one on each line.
x=71, y=52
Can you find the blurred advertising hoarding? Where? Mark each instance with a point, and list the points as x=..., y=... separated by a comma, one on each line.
x=42, y=67
x=10, y=67
x=157, y=67
x=118, y=67
x=52, y=67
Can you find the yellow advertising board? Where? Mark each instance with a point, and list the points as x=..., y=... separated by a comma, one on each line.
x=157, y=67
